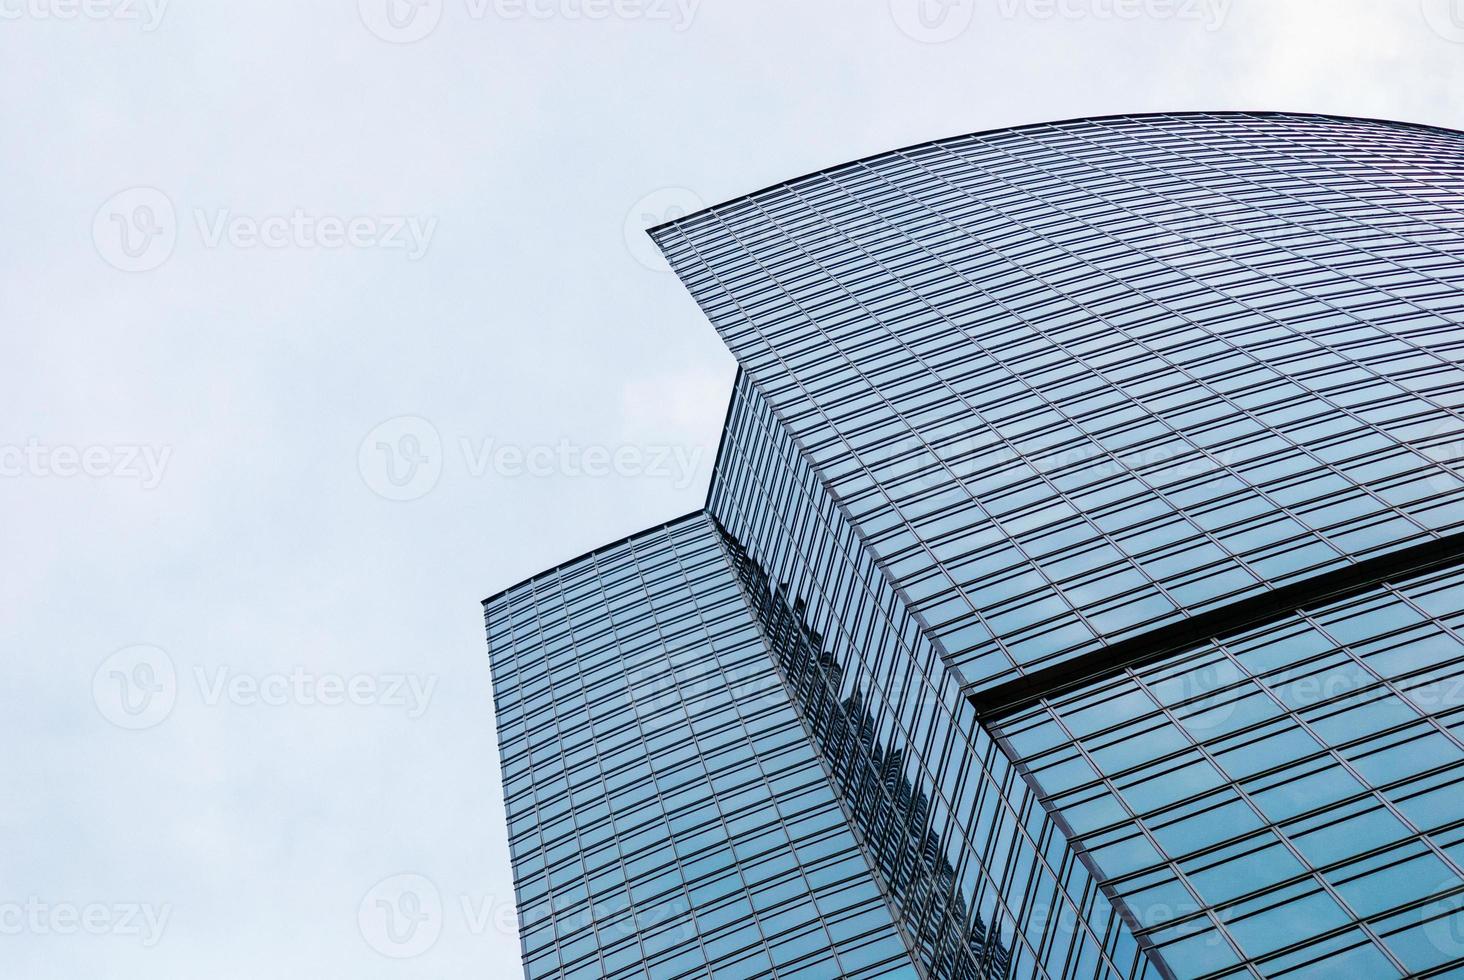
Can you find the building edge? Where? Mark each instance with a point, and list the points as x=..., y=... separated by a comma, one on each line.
x=654, y=231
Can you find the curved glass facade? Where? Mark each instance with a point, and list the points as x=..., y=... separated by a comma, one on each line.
x=667, y=815
x=1000, y=867
x=1072, y=382
x=1080, y=592
x=1290, y=798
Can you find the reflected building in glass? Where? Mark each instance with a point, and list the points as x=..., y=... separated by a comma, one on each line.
x=1080, y=592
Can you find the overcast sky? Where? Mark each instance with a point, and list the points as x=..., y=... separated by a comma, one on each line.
x=324, y=320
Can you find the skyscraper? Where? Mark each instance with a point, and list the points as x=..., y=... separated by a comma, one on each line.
x=1084, y=558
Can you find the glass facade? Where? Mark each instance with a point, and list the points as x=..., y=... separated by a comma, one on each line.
x=1073, y=382
x=1011, y=874
x=1080, y=592
x=1290, y=798
x=667, y=814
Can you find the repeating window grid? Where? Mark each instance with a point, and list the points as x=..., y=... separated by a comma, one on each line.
x=917, y=917
x=852, y=962
x=769, y=499
x=886, y=843
x=1046, y=147
x=1220, y=396
x=1313, y=208
x=950, y=475
x=539, y=626
x=1210, y=913
x=1435, y=153
x=825, y=552
x=1335, y=406
x=1334, y=751
x=1055, y=409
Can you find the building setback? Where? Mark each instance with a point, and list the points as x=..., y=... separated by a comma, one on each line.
x=1080, y=592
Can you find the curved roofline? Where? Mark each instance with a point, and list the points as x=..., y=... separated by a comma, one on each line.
x=556, y=569
x=1191, y=113
x=704, y=511
x=1186, y=113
